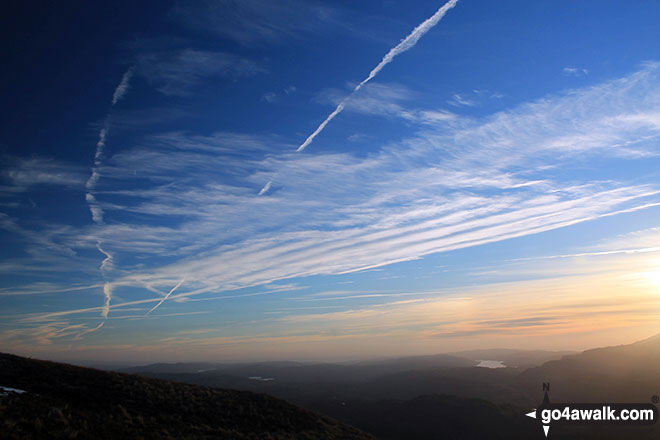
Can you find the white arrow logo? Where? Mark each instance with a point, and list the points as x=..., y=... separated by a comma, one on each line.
x=532, y=414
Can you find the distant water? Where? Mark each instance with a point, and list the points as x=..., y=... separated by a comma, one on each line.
x=261, y=379
x=491, y=364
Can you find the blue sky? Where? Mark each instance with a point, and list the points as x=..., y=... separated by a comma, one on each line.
x=493, y=182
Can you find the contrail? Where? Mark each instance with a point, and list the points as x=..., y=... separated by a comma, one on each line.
x=107, y=262
x=94, y=208
x=404, y=45
x=265, y=189
x=166, y=296
x=80, y=335
x=107, y=292
x=122, y=88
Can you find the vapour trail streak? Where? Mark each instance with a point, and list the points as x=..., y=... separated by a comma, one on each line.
x=122, y=88
x=165, y=297
x=405, y=44
x=95, y=210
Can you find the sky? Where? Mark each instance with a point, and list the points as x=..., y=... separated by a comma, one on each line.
x=229, y=180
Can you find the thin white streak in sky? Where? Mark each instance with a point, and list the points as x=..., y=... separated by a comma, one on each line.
x=94, y=208
x=80, y=335
x=265, y=189
x=405, y=44
x=122, y=88
x=593, y=254
x=101, y=143
x=166, y=296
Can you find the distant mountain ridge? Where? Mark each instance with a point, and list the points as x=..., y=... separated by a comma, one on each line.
x=362, y=394
x=350, y=371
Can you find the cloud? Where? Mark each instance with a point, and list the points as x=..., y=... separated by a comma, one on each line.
x=459, y=100
x=122, y=88
x=338, y=213
x=90, y=330
x=251, y=22
x=272, y=97
x=574, y=71
x=446, y=186
x=24, y=174
x=106, y=264
x=179, y=72
x=94, y=207
x=404, y=217
x=100, y=144
x=96, y=211
x=374, y=99
x=40, y=288
x=269, y=97
x=541, y=306
x=389, y=100
x=405, y=44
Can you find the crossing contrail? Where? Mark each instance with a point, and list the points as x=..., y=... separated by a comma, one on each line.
x=405, y=44
x=166, y=296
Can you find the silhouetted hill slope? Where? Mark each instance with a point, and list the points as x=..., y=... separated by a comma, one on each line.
x=434, y=417
x=63, y=401
x=624, y=373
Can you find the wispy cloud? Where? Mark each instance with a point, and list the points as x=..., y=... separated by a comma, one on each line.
x=374, y=99
x=269, y=97
x=23, y=174
x=273, y=97
x=460, y=100
x=390, y=100
x=252, y=22
x=40, y=288
x=575, y=71
x=339, y=213
x=447, y=186
x=178, y=72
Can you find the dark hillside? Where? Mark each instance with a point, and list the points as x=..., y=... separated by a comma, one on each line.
x=64, y=401
x=434, y=417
